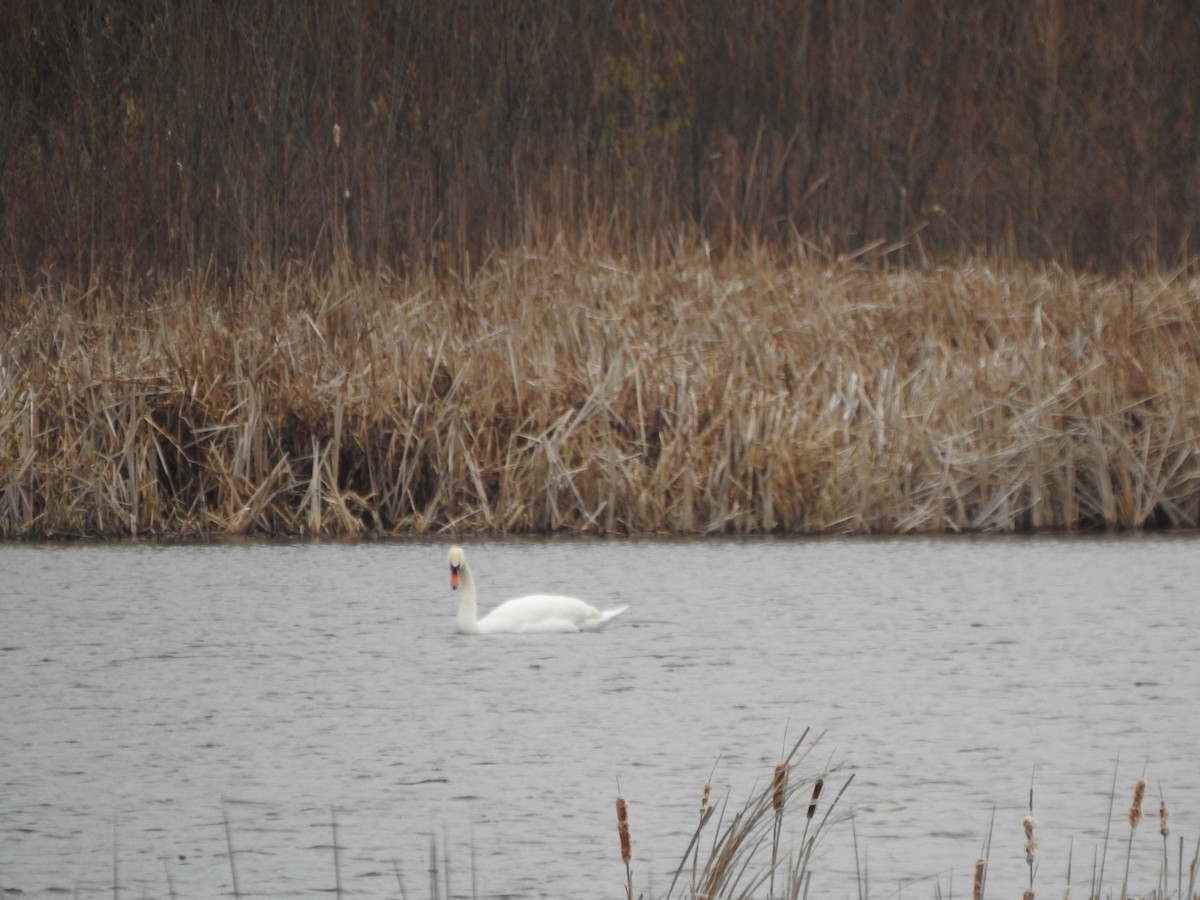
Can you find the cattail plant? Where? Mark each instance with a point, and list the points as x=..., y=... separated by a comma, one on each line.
x=1135, y=816
x=704, y=813
x=626, y=844
x=818, y=785
x=1165, y=830
x=1029, y=823
x=1135, y=808
x=779, y=788
x=1030, y=847
x=816, y=795
x=779, y=783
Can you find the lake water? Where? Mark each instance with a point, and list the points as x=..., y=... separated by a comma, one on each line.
x=159, y=704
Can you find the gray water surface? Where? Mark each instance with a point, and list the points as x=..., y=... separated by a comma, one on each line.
x=161, y=703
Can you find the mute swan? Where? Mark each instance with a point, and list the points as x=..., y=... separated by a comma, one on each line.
x=522, y=615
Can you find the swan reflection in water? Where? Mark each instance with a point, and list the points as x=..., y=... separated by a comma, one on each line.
x=532, y=614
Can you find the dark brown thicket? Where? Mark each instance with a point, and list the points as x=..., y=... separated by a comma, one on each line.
x=155, y=137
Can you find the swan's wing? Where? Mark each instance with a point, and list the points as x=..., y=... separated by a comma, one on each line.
x=540, y=613
x=550, y=626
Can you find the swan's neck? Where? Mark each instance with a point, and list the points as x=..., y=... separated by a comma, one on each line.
x=468, y=616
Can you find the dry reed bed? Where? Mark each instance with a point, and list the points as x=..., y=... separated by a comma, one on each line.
x=568, y=391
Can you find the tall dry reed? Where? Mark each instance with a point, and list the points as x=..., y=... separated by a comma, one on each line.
x=569, y=390
x=734, y=866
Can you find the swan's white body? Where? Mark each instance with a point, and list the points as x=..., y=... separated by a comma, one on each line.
x=536, y=613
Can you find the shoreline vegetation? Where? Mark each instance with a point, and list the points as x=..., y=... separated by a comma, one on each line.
x=565, y=389
x=765, y=849
x=700, y=268
x=768, y=846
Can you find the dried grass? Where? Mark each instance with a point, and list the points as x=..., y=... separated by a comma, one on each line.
x=566, y=390
x=734, y=866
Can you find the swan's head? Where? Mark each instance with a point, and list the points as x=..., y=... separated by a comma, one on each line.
x=456, y=558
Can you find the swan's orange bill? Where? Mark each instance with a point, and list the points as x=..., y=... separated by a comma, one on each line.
x=454, y=579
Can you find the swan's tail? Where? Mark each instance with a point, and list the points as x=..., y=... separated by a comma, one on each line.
x=609, y=614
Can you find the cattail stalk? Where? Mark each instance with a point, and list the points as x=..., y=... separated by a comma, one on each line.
x=703, y=812
x=626, y=844
x=1165, y=830
x=816, y=795
x=779, y=788
x=1029, y=823
x=1135, y=808
x=778, y=800
x=1135, y=816
x=229, y=849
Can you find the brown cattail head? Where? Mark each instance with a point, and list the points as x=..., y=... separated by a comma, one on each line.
x=704, y=797
x=1028, y=895
x=1163, y=828
x=779, y=787
x=623, y=830
x=816, y=795
x=980, y=867
x=1135, y=808
x=1030, y=846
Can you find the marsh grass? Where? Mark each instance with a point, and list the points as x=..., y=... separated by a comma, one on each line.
x=747, y=852
x=564, y=390
x=767, y=847
x=1162, y=889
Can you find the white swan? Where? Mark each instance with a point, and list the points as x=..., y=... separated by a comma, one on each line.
x=522, y=615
